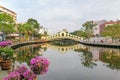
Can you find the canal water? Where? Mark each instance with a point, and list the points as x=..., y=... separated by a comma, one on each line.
x=74, y=61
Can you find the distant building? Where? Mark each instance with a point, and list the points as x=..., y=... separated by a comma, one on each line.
x=97, y=30
x=43, y=30
x=8, y=11
x=108, y=23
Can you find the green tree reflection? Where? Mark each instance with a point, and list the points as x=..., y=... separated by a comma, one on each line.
x=86, y=58
x=24, y=54
x=112, y=58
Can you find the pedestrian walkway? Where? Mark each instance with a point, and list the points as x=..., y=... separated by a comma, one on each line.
x=3, y=74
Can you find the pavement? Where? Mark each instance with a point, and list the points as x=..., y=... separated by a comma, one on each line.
x=3, y=73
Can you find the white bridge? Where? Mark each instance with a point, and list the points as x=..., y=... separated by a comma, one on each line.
x=63, y=35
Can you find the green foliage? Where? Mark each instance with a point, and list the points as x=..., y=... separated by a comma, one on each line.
x=6, y=23
x=6, y=53
x=26, y=53
x=87, y=60
x=89, y=27
x=111, y=58
x=80, y=33
x=25, y=29
x=112, y=31
x=29, y=28
x=33, y=23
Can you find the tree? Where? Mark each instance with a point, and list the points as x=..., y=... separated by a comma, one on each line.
x=112, y=31
x=6, y=23
x=35, y=25
x=89, y=27
x=25, y=30
x=80, y=33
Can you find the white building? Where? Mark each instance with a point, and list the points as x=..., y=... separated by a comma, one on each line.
x=96, y=29
x=43, y=30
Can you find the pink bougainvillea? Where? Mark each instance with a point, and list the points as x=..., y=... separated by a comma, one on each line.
x=39, y=65
x=5, y=43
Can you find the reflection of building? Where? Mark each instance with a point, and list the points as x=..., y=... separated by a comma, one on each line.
x=11, y=13
x=95, y=53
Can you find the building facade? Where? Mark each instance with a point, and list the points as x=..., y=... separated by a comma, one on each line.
x=97, y=30
x=8, y=11
x=43, y=30
x=108, y=23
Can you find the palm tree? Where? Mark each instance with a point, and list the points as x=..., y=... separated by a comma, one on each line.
x=25, y=30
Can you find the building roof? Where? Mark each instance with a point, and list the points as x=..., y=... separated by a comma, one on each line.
x=7, y=9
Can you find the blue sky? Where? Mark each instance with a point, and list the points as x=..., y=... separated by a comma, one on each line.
x=64, y=14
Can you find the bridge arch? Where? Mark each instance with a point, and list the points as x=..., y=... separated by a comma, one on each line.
x=63, y=35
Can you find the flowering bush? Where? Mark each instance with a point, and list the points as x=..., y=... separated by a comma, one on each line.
x=39, y=65
x=5, y=43
x=21, y=73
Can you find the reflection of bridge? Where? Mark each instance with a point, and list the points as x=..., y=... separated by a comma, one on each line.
x=63, y=35
x=64, y=49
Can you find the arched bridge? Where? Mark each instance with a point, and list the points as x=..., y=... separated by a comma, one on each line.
x=63, y=35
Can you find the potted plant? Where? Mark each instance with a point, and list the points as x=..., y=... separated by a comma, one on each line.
x=39, y=65
x=21, y=73
x=6, y=55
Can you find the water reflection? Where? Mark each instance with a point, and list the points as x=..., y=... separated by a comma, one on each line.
x=74, y=61
x=24, y=54
x=89, y=55
x=111, y=57
x=64, y=49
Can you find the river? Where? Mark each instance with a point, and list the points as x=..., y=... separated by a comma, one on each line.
x=74, y=62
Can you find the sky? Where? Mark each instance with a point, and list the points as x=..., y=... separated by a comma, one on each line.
x=57, y=15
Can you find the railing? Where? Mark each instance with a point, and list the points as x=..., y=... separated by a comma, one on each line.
x=102, y=44
x=19, y=44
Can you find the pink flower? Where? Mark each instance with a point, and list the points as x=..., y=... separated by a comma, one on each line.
x=21, y=73
x=39, y=65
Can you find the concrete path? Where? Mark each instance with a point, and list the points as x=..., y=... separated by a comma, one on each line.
x=3, y=74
